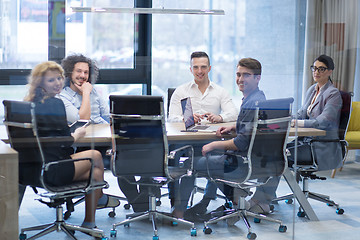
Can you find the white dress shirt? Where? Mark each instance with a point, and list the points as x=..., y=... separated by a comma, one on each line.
x=215, y=100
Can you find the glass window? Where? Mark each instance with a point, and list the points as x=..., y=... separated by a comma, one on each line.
x=265, y=30
x=23, y=33
x=108, y=38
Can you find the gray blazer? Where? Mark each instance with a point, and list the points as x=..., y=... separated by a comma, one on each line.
x=324, y=115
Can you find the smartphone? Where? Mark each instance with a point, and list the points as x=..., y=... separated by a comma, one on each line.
x=78, y=123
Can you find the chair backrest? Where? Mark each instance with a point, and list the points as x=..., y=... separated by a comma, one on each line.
x=268, y=148
x=19, y=124
x=354, y=123
x=345, y=113
x=139, y=138
x=170, y=92
x=266, y=156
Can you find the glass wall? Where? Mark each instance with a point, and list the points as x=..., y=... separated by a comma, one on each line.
x=265, y=30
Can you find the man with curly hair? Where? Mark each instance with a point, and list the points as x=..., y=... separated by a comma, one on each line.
x=79, y=96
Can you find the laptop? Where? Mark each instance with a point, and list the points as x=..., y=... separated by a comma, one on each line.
x=190, y=125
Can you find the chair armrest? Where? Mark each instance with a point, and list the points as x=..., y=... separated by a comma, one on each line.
x=180, y=162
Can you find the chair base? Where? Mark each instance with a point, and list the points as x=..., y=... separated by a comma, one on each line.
x=60, y=225
x=202, y=190
x=316, y=196
x=312, y=195
x=152, y=214
x=111, y=214
x=234, y=215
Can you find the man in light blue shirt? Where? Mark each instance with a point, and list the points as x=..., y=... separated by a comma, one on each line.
x=83, y=102
x=80, y=98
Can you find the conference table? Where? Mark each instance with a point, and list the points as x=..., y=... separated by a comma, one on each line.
x=100, y=135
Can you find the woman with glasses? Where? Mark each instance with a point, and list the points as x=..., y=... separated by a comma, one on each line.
x=321, y=109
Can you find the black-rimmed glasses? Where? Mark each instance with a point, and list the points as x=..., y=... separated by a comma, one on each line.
x=319, y=69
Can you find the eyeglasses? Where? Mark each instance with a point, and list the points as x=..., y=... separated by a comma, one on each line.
x=319, y=69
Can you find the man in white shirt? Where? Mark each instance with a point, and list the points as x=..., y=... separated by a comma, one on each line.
x=209, y=102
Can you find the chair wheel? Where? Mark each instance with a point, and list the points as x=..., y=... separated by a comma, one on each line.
x=282, y=228
x=340, y=211
x=251, y=235
x=22, y=236
x=288, y=201
x=112, y=214
x=272, y=207
x=113, y=233
x=193, y=232
x=228, y=205
x=127, y=206
x=301, y=214
x=155, y=237
x=207, y=230
x=158, y=203
x=67, y=214
x=257, y=220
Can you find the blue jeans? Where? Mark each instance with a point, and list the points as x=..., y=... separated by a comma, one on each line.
x=220, y=166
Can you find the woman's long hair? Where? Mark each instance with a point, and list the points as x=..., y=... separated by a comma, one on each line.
x=36, y=92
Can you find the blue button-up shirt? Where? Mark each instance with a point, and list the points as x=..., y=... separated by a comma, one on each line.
x=245, y=119
x=72, y=101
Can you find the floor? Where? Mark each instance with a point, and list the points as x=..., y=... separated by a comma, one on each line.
x=344, y=189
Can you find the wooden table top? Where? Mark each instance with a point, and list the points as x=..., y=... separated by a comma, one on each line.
x=101, y=133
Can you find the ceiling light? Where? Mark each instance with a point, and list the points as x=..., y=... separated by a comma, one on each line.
x=149, y=10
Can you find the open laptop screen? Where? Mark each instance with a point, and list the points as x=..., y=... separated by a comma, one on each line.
x=187, y=112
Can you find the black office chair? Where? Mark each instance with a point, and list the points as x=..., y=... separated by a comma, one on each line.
x=264, y=159
x=140, y=148
x=307, y=170
x=170, y=92
x=23, y=134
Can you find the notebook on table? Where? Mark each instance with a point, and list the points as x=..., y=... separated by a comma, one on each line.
x=188, y=114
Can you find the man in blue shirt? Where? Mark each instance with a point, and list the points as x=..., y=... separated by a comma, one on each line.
x=82, y=101
x=248, y=75
x=80, y=98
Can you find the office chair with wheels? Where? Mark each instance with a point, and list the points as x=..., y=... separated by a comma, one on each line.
x=22, y=129
x=140, y=152
x=352, y=135
x=264, y=159
x=306, y=170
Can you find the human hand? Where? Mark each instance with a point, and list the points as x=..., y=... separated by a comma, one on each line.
x=85, y=88
x=293, y=122
x=208, y=148
x=213, y=118
x=197, y=117
x=79, y=133
x=223, y=130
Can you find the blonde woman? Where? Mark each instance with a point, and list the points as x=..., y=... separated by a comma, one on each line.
x=45, y=82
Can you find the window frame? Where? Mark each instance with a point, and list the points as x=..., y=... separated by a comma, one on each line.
x=140, y=74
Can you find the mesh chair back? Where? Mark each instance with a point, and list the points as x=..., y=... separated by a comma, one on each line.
x=18, y=119
x=169, y=94
x=269, y=143
x=345, y=113
x=139, y=136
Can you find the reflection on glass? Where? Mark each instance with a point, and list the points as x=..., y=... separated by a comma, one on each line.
x=107, y=38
